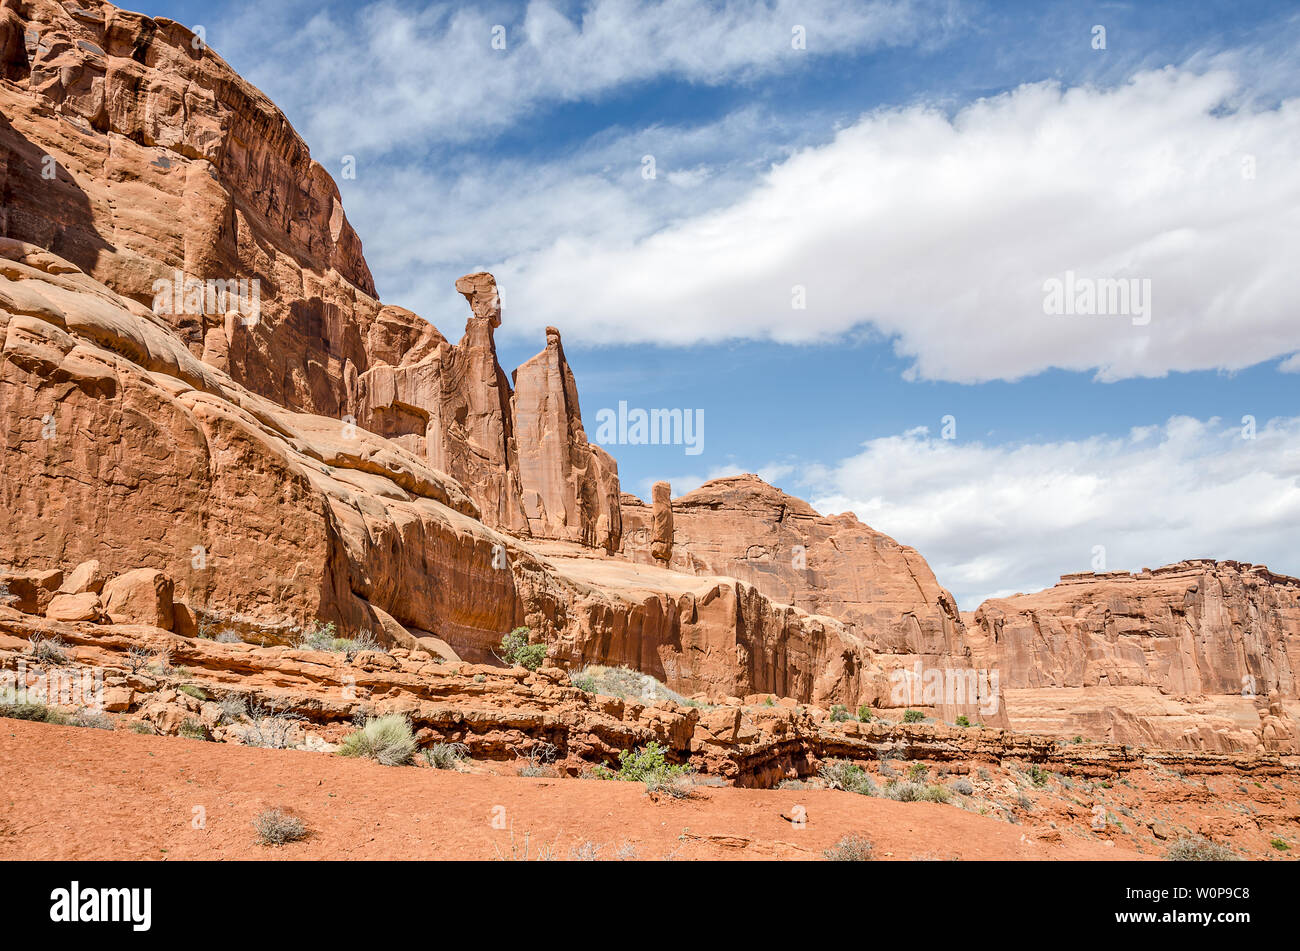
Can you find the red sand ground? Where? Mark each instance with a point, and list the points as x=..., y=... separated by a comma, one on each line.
x=74, y=793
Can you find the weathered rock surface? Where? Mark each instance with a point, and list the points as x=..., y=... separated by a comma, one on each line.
x=141, y=596
x=75, y=607
x=134, y=152
x=884, y=593
x=89, y=576
x=326, y=457
x=266, y=518
x=570, y=487
x=1199, y=653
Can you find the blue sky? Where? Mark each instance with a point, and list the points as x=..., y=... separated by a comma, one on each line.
x=918, y=170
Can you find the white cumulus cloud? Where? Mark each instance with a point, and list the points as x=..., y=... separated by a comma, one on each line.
x=940, y=231
x=998, y=519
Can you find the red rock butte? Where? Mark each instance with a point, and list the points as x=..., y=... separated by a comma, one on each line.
x=335, y=459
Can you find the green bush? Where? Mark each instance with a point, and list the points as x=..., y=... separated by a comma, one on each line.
x=917, y=772
x=651, y=767
x=1280, y=845
x=963, y=720
x=387, y=740
x=517, y=652
x=913, y=716
x=840, y=713
x=848, y=776
x=864, y=713
x=192, y=691
x=1037, y=775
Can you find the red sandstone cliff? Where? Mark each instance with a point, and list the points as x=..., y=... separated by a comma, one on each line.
x=331, y=457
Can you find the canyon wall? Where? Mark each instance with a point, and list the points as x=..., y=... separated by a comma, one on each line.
x=1200, y=653
x=135, y=153
x=882, y=591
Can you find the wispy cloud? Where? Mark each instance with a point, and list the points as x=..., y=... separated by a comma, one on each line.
x=386, y=76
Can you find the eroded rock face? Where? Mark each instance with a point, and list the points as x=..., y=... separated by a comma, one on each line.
x=884, y=593
x=570, y=487
x=661, y=530
x=121, y=445
x=1195, y=653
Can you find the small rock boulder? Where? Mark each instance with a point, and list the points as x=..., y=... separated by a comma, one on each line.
x=75, y=607
x=142, y=596
x=30, y=591
x=87, y=576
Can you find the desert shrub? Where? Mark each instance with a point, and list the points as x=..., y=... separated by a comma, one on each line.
x=962, y=787
x=276, y=827
x=192, y=691
x=848, y=776
x=913, y=716
x=851, y=848
x=31, y=710
x=48, y=650
x=269, y=728
x=650, y=766
x=194, y=729
x=917, y=772
x=840, y=713
x=790, y=784
x=1280, y=844
x=864, y=713
x=1077, y=740
x=770, y=701
x=322, y=637
x=1198, y=849
x=522, y=851
x=538, y=761
x=387, y=740
x=91, y=719
x=904, y=791
x=232, y=709
x=963, y=720
x=587, y=852
x=624, y=683
x=1037, y=775
x=143, y=727
x=137, y=658
x=445, y=755
x=677, y=785
x=517, y=652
